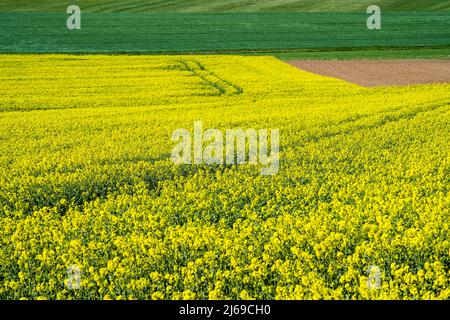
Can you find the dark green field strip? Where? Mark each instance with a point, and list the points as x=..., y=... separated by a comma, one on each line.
x=220, y=5
x=363, y=53
x=175, y=32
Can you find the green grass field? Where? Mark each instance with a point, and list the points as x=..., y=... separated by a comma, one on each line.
x=286, y=29
x=366, y=53
x=217, y=32
x=221, y=5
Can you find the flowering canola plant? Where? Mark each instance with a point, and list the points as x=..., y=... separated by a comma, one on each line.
x=87, y=184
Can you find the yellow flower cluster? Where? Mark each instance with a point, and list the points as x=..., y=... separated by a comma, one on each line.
x=92, y=207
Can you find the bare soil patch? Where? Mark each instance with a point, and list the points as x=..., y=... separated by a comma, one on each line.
x=372, y=73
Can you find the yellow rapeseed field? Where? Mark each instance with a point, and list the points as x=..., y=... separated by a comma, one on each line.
x=87, y=185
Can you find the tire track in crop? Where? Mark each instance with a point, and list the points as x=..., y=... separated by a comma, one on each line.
x=387, y=117
x=223, y=86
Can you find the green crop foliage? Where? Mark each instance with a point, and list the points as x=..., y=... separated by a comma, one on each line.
x=222, y=5
x=221, y=32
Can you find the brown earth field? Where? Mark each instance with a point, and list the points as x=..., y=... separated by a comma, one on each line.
x=373, y=73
